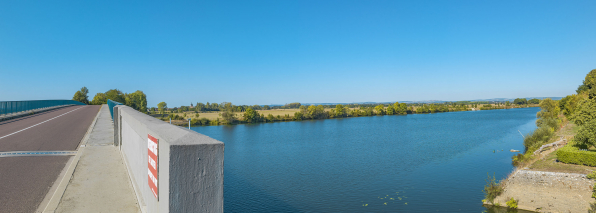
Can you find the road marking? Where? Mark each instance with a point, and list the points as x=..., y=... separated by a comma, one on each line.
x=36, y=153
x=39, y=123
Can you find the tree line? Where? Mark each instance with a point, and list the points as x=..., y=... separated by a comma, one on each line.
x=136, y=100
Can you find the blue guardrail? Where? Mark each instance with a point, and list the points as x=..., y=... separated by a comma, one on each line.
x=111, y=105
x=10, y=107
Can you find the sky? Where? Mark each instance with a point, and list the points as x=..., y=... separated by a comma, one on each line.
x=277, y=52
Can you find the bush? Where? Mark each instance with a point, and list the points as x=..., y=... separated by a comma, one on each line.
x=492, y=189
x=592, y=208
x=572, y=154
x=520, y=159
x=512, y=203
x=586, y=135
x=592, y=175
x=538, y=137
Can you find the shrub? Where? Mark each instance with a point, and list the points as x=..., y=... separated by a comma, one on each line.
x=512, y=203
x=586, y=135
x=492, y=189
x=594, y=191
x=520, y=159
x=572, y=154
x=538, y=137
x=592, y=175
x=592, y=208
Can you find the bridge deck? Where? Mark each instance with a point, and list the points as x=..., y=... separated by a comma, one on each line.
x=25, y=181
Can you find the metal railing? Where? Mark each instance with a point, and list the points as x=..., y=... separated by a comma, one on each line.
x=13, y=107
x=111, y=105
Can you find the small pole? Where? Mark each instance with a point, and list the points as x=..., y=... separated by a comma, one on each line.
x=189, y=123
x=170, y=120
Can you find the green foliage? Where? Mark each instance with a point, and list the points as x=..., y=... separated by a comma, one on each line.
x=549, y=110
x=116, y=95
x=590, y=80
x=136, y=100
x=81, y=96
x=380, y=109
x=512, y=203
x=586, y=135
x=534, y=101
x=568, y=104
x=492, y=189
x=582, y=88
x=292, y=105
x=538, y=137
x=572, y=154
x=592, y=175
x=585, y=112
x=520, y=101
x=592, y=208
x=228, y=115
x=99, y=99
x=520, y=159
x=339, y=111
x=250, y=115
x=161, y=107
x=298, y=116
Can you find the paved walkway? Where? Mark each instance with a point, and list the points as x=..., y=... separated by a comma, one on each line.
x=100, y=182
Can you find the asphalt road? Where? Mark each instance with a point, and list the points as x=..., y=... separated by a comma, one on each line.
x=25, y=181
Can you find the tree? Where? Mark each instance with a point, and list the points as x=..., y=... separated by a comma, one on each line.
x=228, y=114
x=586, y=135
x=250, y=115
x=534, y=101
x=585, y=112
x=116, y=95
x=266, y=107
x=390, y=110
x=298, y=116
x=100, y=98
x=550, y=110
x=161, y=107
x=339, y=111
x=520, y=101
x=81, y=96
x=137, y=100
x=380, y=109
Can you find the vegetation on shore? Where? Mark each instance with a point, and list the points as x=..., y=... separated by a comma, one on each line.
x=572, y=118
x=227, y=113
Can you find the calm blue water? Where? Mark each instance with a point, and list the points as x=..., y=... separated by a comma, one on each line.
x=412, y=163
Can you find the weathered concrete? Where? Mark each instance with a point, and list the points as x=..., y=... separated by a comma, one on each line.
x=190, y=165
x=548, y=191
x=100, y=182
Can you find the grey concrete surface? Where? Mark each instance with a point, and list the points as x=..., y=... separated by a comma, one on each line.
x=103, y=131
x=100, y=182
x=190, y=165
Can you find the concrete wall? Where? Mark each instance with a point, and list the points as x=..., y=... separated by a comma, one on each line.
x=190, y=164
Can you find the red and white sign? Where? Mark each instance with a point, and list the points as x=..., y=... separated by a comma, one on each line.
x=152, y=156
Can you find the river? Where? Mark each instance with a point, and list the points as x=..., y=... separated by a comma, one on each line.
x=407, y=163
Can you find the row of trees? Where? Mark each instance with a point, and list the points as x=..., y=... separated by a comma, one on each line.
x=136, y=100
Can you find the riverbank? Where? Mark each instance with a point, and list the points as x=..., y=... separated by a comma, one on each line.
x=214, y=118
x=548, y=191
x=544, y=184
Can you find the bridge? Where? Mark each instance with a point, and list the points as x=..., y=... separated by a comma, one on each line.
x=65, y=156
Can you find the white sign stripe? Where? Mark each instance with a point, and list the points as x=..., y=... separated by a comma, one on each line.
x=39, y=123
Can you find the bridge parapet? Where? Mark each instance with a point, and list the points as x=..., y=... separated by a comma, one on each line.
x=189, y=165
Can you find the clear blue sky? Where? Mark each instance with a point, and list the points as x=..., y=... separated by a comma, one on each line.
x=276, y=52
